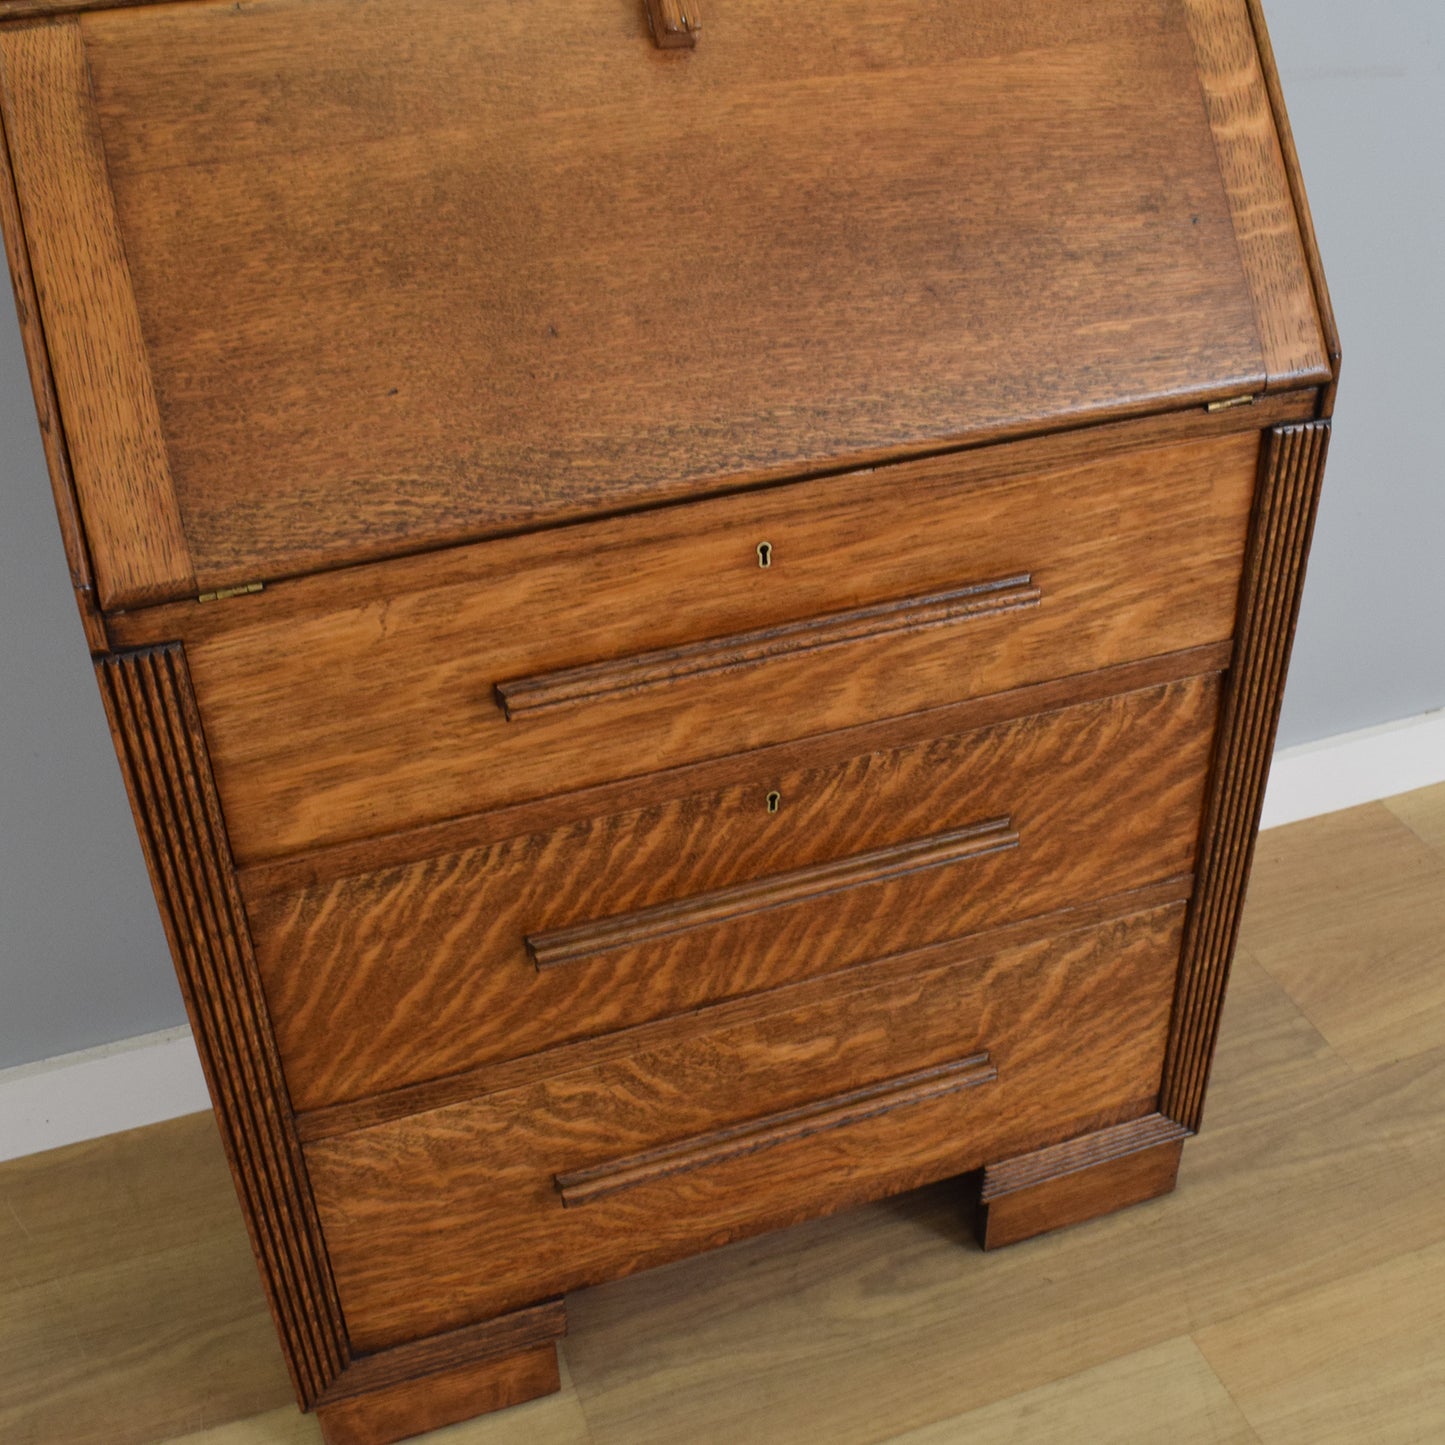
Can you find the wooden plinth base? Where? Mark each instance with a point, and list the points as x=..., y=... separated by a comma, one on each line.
x=1079, y=1180
x=424, y=1386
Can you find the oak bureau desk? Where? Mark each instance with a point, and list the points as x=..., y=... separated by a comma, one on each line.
x=693, y=608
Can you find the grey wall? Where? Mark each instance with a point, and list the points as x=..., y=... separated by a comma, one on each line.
x=1367, y=102
x=82, y=958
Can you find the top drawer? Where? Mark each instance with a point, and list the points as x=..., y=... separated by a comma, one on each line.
x=365, y=703
x=324, y=282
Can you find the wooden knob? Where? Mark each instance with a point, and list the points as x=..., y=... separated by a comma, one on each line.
x=675, y=23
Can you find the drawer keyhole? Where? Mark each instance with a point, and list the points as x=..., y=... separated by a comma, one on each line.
x=775, y=801
x=765, y=554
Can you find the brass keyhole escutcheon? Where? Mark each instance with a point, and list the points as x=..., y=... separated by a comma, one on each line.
x=775, y=801
x=765, y=554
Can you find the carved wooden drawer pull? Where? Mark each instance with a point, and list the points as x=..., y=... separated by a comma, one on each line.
x=597, y=681
x=675, y=23
x=583, y=1186
x=779, y=890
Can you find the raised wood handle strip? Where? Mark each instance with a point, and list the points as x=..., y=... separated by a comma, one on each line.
x=675, y=23
x=595, y=681
x=583, y=1186
x=778, y=890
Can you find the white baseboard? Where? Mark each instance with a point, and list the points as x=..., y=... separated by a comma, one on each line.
x=100, y=1091
x=142, y=1081
x=1354, y=768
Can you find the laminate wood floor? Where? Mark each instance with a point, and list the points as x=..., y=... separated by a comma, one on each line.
x=1291, y=1290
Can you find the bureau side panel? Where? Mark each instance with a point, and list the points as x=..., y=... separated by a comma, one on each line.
x=1252, y=163
x=82, y=280
x=47, y=404
x=1301, y=203
x=158, y=738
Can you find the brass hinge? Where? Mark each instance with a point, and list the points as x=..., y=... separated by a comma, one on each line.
x=1233, y=402
x=226, y=592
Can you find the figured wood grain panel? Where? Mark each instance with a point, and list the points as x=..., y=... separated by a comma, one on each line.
x=92, y=329
x=572, y=687
x=760, y=895
x=1261, y=194
x=586, y=1186
x=451, y=1215
x=418, y=971
x=1291, y=473
x=606, y=1048
x=158, y=738
x=331, y=722
x=434, y=256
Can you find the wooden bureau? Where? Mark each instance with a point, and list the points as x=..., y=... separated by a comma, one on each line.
x=693, y=606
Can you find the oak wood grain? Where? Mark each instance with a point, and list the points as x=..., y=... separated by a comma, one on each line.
x=437, y=1093
x=157, y=733
x=1261, y=198
x=92, y=328
x=896, y=207
x=335, y=721
x=390, y=978
x=446, y=1216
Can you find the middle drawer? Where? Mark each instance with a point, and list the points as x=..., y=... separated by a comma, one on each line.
x=516, y=938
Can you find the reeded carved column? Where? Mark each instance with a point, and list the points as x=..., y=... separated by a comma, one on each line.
x=1292, y=467
x=157, y=733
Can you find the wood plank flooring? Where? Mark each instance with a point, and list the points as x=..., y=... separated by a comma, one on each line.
x=1292, y=1290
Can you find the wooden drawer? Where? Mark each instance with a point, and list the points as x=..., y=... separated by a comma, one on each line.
x=529, y=938
x=966, y=1055
x=347, y=707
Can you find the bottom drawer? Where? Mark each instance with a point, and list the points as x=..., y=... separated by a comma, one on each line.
x=607, y=1159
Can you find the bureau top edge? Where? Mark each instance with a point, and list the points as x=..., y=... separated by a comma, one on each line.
x=317, y=284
